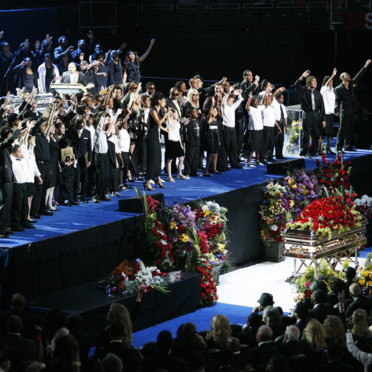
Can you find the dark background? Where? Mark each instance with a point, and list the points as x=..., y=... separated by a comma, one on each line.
x=277, y=41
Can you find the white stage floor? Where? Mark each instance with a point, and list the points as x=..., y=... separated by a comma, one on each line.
x=244, y=286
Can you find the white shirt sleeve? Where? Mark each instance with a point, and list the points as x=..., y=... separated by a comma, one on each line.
x=363, y=357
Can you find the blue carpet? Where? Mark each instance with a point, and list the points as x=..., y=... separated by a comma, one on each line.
x=363, y=253
x=85, y=216
x=201, y=318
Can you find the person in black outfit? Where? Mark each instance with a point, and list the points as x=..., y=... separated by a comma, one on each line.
x=42, y=155
x=7, y=59
x=345, y=105
x=81, y=142
x=192, y=140
x=62, y=50
x=6, y=176
x=312, y=104
x=157, y=117
x=115, y=69
x=27, y=74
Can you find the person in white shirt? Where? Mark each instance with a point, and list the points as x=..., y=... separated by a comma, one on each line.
x=19, y=213
x=47, y=72
x=174, y=146
x=32, y=171
x=228, y=107
x=255, y=128
x=281, y=118
x=329, y=99
x=269, y=124
x=124, y=145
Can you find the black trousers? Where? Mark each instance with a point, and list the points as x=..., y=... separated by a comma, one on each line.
x=345, y=132
x=191, y=159
x=230, y=143
x=67, y=185
x=38, y=201
x=80, y=180
x=19, y=206
x=310, y=127
x=7, y=196
x=268, y=141
x=126, y=161
x=102, y=168
x=279, y=141
x=240, y=130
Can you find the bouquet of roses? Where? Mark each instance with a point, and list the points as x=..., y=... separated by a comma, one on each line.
x=333, y=175
x=156, y=249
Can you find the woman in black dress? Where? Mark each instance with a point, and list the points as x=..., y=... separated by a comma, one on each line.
x=213, y=140
x=54, y=168
x=157, y=117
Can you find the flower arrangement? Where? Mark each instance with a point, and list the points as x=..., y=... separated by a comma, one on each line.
x=211, y=218
x=274, y=211
x=156, y=248
x=333, y=175
x=302, y=188
x=294, y=137
x=364, y=206
x=327, y=216
x=365, y=275
x=131, y=275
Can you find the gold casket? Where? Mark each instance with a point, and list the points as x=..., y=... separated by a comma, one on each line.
x=305, y=244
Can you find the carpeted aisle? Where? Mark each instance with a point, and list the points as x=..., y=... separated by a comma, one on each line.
x=202, y=319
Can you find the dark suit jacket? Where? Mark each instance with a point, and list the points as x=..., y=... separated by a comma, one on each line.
x=120, y=350
x=163, y=361
x=359, y=303
x=66, y=78
x=18, y=349
x=260, y=355
x=345, y=98
x=81, y=145
x=321, y=311
x=171, y=105
x=292, y=348
x=6, y=172
x=305, y=99
x=28, y=322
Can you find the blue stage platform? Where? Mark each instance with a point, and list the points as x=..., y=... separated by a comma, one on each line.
x=81, y=244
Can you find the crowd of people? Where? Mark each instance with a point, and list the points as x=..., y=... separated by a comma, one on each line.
x=329, y=331
x=91, y=144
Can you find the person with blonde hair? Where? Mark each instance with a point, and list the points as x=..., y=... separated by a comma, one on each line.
x=314, y=334
x=334, y=329
x=360, y=324
x=192, y=102
x=220, y=332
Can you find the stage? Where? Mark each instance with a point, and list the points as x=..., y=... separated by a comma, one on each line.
x=81, y=244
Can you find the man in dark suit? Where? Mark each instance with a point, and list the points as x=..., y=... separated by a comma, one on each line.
x=6, y=176
x=163, y=360
x=345, y=105
x=116, y=346
x=359, y=301
x=313, y=106
x=321, y=308
x=261, y=354
x=292, y=344
x=81, y=142
x=18, y=349
x=18, y=307
x=72, y=76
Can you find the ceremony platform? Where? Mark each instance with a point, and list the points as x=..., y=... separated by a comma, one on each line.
x=81, y=244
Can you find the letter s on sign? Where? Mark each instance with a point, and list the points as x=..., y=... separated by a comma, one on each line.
x=368, y=20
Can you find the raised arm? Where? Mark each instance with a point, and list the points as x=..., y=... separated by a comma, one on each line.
x=359, y=75
x=334, y=73
x=304, y=75
x=248, y=105
x=144, y=56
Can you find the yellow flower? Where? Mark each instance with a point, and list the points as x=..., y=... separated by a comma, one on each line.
x=306, y=192
x=207, y=212
x=172, y=225
x=370, y=283
x=271, y=207
x=370, y=275
x=362, y=282
x=184, y=238
x=294, y=187
x=290, y=182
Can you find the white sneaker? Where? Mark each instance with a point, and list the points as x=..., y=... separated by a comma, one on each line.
x=251, y=166
x=171, y=179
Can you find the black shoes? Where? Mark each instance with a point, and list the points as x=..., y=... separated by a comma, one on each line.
x=46, y=212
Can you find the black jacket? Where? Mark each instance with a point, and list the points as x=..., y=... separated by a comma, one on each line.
x=345, y=98
x=6, y=172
